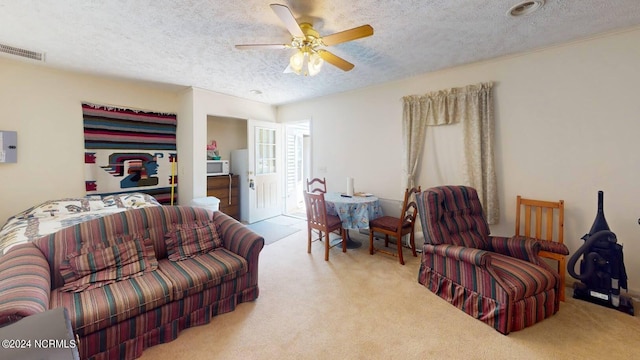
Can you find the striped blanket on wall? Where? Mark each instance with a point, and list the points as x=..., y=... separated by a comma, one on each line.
x=129, y=151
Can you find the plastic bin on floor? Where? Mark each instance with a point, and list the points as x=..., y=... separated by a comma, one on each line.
x=210, y=203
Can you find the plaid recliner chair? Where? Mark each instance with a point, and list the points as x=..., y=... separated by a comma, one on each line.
x=500, y=281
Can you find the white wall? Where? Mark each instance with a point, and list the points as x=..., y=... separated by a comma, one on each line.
x=193, y=177
x=567, y=125
x=44, y=106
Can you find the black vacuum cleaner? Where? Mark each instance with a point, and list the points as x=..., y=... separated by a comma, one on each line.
x=602, y=271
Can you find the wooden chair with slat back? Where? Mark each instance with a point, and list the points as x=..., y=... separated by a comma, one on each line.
x=544, y=220
x=318, y=219
x=397, y=227
x=317, y=185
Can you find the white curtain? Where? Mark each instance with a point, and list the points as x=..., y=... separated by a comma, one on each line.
x=472, y=106
x=413, y=132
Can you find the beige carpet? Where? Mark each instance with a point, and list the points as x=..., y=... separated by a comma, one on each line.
x=358, y=306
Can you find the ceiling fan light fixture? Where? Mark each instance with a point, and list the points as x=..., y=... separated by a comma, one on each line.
x=310, y=54
x=315, y=64
x=305, y=62
x=297, y=61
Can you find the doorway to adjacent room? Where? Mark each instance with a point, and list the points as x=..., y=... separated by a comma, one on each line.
x=297, y=166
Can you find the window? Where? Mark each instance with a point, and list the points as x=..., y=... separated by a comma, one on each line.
x=265, y=145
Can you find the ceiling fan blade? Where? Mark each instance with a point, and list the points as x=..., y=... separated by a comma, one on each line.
x=335, y=60
x=287, y=18
x=348, y=35
x=262, y=46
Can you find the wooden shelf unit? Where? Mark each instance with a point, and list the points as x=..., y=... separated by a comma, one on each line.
x=218, y=186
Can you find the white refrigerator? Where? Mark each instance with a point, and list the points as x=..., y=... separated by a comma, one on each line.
x=240, y=166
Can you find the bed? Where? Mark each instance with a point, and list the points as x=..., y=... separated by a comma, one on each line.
x=53, y=215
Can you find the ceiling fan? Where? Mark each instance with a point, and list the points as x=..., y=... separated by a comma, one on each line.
x=310, y=45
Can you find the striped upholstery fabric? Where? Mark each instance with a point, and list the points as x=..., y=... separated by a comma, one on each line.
x=99, y=267
x=24, y=283
x=554, y=247
x=484, y=308
x=127, y=339
x=96, y=309
x=521, y=279
x=456, y=216
x=188, y=241
x=121, y=319
x=201, y=272
x=93, y=259
x=128, y=257
x=154, y=221
x=520, y=247
x=500, y=281
x=240, y=240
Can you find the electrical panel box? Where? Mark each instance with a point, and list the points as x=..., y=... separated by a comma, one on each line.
x=8, y=146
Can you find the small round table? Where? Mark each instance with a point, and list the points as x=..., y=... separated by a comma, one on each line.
x=354, y=212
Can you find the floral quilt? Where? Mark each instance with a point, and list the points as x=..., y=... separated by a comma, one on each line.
x=54, y=215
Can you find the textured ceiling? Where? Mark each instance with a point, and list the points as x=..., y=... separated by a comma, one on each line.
x=191, y=42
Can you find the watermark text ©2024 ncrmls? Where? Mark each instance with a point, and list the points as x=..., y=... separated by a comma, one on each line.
x=39, y=344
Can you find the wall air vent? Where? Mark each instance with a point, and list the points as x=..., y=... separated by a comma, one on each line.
x=11, y=50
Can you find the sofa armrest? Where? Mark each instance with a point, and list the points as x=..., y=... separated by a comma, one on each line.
x=519, y=247
x=237, y=237
x=553, y=247
x=25, y=283
x=458, y=262
x=476, y=257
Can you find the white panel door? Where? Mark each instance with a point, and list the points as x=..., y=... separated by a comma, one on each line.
x=265, y=169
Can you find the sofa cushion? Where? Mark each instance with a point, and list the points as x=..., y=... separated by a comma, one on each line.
x=96, y=309
x=153, y=221
x=188, y=240
x=103, y=263
x=453, y=215
x=522, y=278
x=203, y=271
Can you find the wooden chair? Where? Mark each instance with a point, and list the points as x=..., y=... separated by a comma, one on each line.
x=318, y=219
x=542, y=223
x=397, y=226
x=317, y=185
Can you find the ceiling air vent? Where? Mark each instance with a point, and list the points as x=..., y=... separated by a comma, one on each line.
x=33, y=55
x=525, y=7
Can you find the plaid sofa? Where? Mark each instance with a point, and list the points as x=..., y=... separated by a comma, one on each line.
x=119, y=320
x=500, y=281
